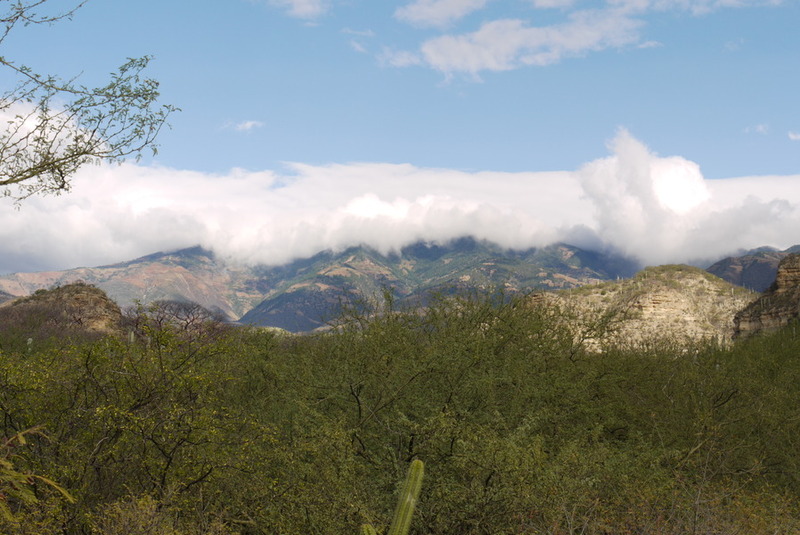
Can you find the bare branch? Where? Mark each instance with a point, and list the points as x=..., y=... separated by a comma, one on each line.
x=55, y=126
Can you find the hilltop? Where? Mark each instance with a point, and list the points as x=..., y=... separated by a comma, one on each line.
x=677, y=303
x=74, y=309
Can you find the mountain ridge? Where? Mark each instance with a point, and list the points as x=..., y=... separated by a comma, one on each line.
x=754, y=269
x=304, y=294
x=312, y=288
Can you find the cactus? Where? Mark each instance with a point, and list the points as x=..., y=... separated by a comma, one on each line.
x=401, y=523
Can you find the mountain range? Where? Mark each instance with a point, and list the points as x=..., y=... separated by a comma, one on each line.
x=304, y=294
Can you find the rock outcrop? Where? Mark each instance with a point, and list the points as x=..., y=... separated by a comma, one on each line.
x=665, y=304
x=776, y=307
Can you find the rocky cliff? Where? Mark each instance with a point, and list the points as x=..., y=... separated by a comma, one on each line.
x=776, y=307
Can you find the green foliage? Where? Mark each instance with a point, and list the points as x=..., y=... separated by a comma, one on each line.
x=248, y=431
x=17, y=486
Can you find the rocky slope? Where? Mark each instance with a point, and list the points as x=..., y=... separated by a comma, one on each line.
x=776, y=307
x=672, y=303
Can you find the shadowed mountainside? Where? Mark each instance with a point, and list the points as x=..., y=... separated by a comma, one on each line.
x=754, y=269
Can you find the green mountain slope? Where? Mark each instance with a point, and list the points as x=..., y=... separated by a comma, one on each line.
x=316, y=295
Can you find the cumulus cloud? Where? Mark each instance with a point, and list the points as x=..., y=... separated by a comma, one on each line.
x=794, y=136
x=652, y=208
x=437, y=13
x=662, y=210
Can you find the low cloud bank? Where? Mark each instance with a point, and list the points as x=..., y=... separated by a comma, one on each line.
x=655, y=209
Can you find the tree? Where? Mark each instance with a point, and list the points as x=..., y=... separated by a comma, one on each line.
x=54, y=126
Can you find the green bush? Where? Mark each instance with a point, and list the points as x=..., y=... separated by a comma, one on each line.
x=246, y=431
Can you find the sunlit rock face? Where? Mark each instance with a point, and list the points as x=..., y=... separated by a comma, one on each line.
x=672, y=304
x=779, y=305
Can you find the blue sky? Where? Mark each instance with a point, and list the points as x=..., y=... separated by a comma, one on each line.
x=295, y=89
x=317, y=80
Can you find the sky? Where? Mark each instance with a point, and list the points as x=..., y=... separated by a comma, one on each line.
x=666, y=130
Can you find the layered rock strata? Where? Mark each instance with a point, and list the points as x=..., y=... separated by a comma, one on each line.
x=776, y=307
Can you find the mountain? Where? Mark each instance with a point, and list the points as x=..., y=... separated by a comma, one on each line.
x=302, y=295
x=777, y=306
x=362, y=273
x=190, y=275
x=597, y=296
x=755, y=269
x=672, y=303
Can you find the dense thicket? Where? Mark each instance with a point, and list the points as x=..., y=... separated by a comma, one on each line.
x=172, y=430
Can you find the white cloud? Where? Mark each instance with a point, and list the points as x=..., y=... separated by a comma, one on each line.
x=502, y=44
x=794, y=136
x=359, y=33
x=656, y=209
x=661, y=210
x=696, y=7
x=357, y=46
x=762, y=129
x=650, y=44
x=399, y=58
x=510, y=43
x=701, y=7
x=303, y=9
x=437, y=13
x=550, y=4
x=246, y=126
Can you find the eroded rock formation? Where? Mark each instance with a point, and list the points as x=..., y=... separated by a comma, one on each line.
x=776, y=307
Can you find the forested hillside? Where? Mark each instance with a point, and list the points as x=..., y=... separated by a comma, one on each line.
x=193, y=427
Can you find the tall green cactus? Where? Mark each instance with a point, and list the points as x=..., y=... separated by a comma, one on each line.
x=401, y=523
x=367, y=529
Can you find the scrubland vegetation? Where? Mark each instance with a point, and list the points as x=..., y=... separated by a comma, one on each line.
x=197, y=428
